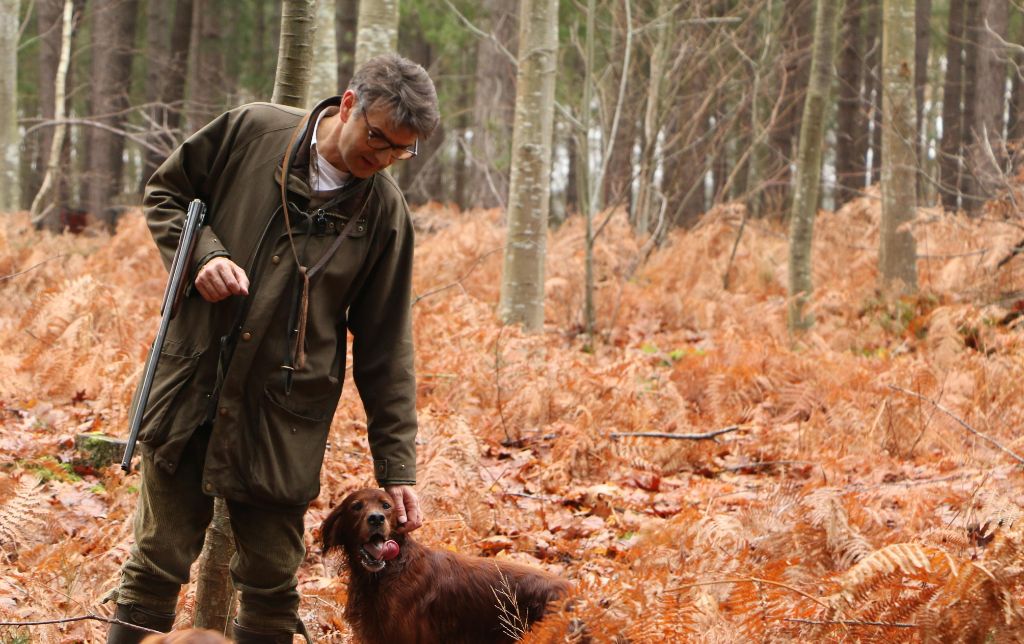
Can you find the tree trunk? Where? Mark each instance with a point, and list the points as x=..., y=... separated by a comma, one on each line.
x=159, y=16
x=43, y=204
x=493, y=108
x=346, y=23
x=873, y=81
x=618, y=179
x=113, y=43
x=897, y=255
x=325, y=54
x=986, y=155
x=9, y=140
x=48, y=21
x=685, y=167
x=1015, y=125
x=522, y=285
x=922, y=45
x=762, y=154
x=460, y=160
x=969, y=105
x=812, y=138
x=295, y=53
x=849, y=123
x=416, y=177
x=215, y=595
x=206, y=82
x=165, y=78
x=378, y=29
x=646, y=199
x=952, y=113
x=796, y=35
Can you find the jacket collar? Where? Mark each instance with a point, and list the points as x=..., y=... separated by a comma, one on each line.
x=298, y=171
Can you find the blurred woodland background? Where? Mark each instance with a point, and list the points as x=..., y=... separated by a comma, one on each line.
x=768, y=381
x=704, y=99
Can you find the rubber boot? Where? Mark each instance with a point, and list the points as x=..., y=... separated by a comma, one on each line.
x=134, y=614
x=243, y=635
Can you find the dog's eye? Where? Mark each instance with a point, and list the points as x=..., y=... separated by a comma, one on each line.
x=387, y=506
x=357, y=506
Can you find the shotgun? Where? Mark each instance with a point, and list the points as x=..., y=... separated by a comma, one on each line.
x=174, y=292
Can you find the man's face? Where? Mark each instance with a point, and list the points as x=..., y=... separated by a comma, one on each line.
x=353, y=137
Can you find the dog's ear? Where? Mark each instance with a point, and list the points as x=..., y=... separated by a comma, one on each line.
x=329, y=537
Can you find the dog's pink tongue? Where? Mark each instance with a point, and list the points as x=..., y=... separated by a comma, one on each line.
x=374, y=549
x=390, y=549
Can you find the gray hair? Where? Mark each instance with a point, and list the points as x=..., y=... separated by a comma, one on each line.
x=401, y=87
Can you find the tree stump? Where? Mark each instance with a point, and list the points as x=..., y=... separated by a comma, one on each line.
x=99, y=450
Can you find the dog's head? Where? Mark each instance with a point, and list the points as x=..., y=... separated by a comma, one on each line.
x=361, y=526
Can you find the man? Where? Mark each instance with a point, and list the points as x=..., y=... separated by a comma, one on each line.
x=306, y=241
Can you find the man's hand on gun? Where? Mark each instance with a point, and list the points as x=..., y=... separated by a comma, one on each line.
x=221, y=278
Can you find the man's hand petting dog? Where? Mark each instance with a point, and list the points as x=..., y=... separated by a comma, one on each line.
x=400, y=591
x=407, y=507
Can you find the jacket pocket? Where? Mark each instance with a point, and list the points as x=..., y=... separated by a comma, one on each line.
x=286, y=451
x=173, y=373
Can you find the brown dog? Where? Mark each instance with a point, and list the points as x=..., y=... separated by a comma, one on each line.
x=402, y=592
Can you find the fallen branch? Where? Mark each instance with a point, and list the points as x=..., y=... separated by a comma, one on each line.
x=849, y=622
x=34, y=266
x=755, y=464
x=960, y=421
x=682, y=437
x=82, y=618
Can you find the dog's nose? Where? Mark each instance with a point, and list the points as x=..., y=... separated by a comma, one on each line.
x=376, y=519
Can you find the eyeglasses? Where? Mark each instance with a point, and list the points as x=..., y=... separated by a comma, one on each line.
x=376, y=140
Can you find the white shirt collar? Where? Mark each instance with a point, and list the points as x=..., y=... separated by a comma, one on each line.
x=324, y=177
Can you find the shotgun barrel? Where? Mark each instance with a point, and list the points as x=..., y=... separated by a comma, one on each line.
x=173, y=295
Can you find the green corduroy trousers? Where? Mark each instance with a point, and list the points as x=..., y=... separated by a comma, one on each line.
x=170, y=524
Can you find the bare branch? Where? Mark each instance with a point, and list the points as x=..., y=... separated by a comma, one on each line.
x=82, y=618
x=688, y=437
x=103, y=126
x=34, y=266
x=963, y=424
x=458, y=282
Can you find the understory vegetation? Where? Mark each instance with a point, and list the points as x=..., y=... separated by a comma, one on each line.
x=864, y=485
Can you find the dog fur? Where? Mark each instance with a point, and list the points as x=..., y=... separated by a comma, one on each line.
x=426, y=595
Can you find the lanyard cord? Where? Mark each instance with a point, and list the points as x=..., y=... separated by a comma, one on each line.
x=298, y=351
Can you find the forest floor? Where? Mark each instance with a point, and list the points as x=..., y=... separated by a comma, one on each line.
x=871, y=487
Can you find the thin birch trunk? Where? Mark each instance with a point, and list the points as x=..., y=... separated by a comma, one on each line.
x=922, y=47
x=378, y=29
x=522, y=285
x=295, y=54
x=9, y=143
x=897, y=255
x=812, y=138
x=645, y=205
x=873, y=76
x=44, y=200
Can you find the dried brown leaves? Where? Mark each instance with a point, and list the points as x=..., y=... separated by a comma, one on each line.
x=840, y=510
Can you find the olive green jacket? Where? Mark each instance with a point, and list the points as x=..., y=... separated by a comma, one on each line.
x=269, y=436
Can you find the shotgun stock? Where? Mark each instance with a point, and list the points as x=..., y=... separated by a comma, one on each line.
x=173, y=294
